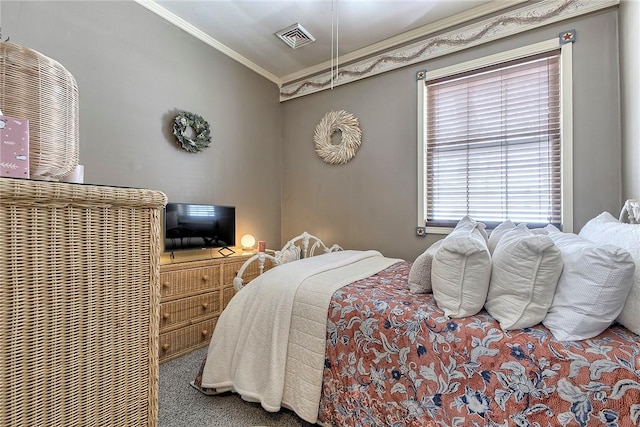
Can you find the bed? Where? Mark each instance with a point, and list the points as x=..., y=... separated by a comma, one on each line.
x=340, y=339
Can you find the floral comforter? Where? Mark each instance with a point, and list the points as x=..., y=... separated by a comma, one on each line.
x=394, y=359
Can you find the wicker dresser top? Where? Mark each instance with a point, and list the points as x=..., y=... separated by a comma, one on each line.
x=39, y=192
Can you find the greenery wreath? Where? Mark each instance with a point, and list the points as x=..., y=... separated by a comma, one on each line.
x=200, y=134
x=332, y=122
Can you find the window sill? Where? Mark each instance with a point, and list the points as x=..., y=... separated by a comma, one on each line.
x=438, y=230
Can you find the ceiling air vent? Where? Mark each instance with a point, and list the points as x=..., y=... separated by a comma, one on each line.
x=295, y=36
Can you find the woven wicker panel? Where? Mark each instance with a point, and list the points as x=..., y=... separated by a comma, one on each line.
x=188, y=279
x=174, y=313
x=182, y=341
x=230, y=270
x=227, y=294
x=79, y=304
x=39, y=89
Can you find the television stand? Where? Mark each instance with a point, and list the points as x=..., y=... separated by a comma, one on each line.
x=193, y=294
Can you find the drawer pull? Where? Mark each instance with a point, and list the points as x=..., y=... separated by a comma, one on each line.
x=205, y=305
x=166, y=284
x=165, y=346
x=205, y=278
x=165, y=316
x=204, y=332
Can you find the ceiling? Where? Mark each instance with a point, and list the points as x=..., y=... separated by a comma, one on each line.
x=245, y=29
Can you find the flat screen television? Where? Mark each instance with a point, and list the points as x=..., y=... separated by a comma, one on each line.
x=197, y=226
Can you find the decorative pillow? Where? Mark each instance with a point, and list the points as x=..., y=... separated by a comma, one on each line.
x=291, y=254
x=497, y=234
x=605, y=229
x=461, y=270
x=420, y=273
x=524, y=275
x=592, y=289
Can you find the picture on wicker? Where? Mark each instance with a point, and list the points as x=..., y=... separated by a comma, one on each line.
x=300, y=247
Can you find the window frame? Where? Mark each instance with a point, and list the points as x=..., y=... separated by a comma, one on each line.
x=566, y=122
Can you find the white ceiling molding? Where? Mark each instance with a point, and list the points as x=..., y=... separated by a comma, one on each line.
x=201, y=35
x=417, y=33
x=517, y=21
x=404, y=38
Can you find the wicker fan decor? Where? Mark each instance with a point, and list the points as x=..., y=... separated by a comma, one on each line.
x=39, y=89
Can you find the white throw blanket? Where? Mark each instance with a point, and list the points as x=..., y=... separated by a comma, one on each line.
x=269, y=342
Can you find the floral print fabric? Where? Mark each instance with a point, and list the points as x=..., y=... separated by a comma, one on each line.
x=394, y=359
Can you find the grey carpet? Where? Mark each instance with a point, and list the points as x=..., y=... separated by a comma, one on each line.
x=180, y=405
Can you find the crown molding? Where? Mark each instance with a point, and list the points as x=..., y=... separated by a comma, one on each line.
x=401, y=39
x=387, y=56
x=507, y=24
x=201, y=35
x=457, y=19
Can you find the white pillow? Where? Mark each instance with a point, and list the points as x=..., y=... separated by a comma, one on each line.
x=592, y=289
x=461, y=270
x=606, y=229
x=291, y=254
x=420, y=273
x=524, y=275
x=498, y=232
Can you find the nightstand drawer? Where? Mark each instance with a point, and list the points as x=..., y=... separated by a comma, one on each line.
x=184, y=340
x=186, y=309
x=227, y=294
x=230, y=270
x=189, y=280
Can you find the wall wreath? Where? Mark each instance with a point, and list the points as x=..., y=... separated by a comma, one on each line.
x=346, y=123
x=196, y=139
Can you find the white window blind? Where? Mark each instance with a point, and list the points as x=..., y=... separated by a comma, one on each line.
x=201, y=210
x=493, y=148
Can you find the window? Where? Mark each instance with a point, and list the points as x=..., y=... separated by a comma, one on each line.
x=493, y=141
x=201, y=211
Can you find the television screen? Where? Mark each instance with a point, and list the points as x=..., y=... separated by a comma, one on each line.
x=194, y=226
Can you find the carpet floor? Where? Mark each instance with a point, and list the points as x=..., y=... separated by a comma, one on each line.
x=180, y=405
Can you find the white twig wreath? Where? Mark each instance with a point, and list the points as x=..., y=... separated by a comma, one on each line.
x=337, y=154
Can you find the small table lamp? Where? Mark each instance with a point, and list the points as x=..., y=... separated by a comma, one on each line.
x=247, y=241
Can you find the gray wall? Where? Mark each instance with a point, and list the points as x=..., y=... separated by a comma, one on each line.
x=371, y=201
x=134, y=72
x=630, y=96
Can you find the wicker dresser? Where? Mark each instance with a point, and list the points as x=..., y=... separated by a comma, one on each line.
x=194, y=293
x=79, y=304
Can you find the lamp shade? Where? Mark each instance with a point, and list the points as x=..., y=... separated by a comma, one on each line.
x=39, y=89
x=247, y=241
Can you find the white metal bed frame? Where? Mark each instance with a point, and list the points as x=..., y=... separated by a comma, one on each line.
x=302, y=246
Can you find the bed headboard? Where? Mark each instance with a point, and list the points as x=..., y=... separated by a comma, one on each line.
x=301, y=246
